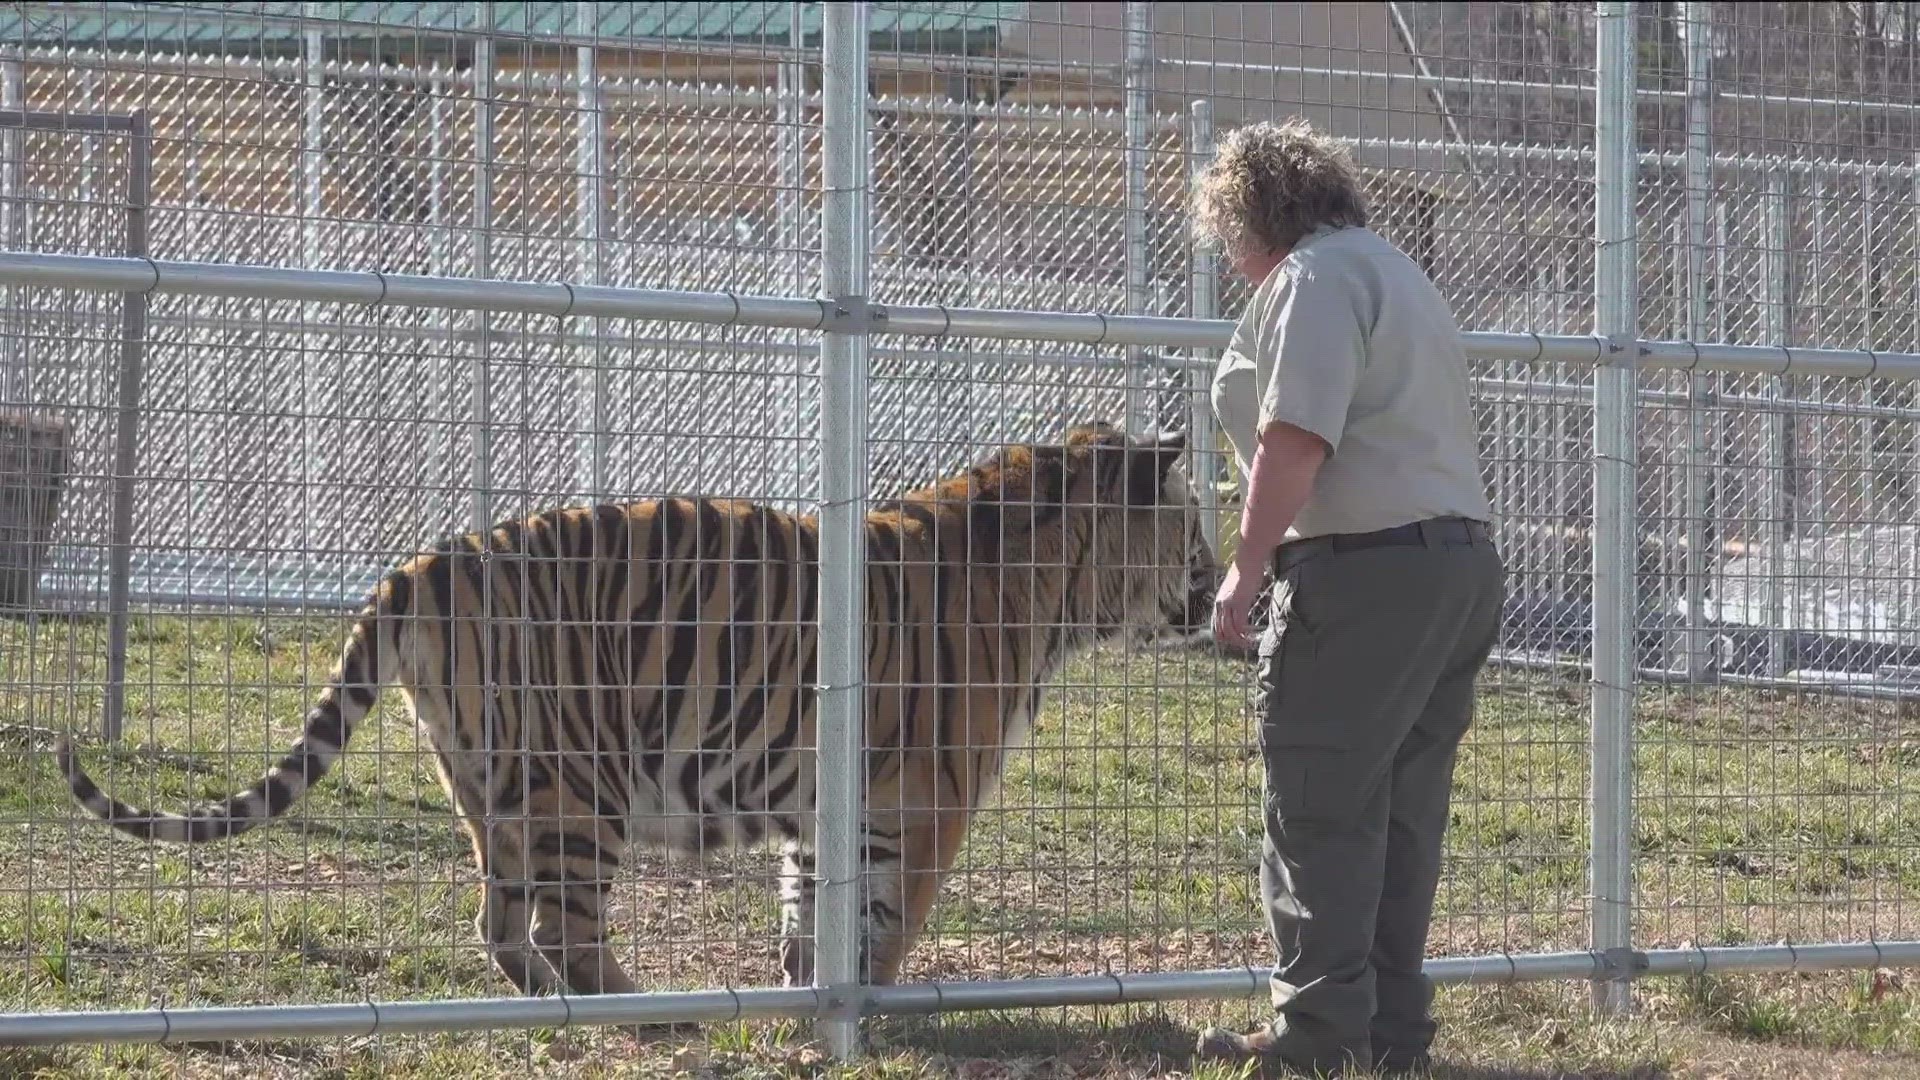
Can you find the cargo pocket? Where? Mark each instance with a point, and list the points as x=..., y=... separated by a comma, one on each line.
x=1288, y=629
x=1312, y=789
x=1285, y=649
x=1306, y=751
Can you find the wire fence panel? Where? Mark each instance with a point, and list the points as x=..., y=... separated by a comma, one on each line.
x=291, y=453
x=1776, y=816
x=1023, y=160
x=341, y=162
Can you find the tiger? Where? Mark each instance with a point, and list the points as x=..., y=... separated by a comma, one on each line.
x=613, y=675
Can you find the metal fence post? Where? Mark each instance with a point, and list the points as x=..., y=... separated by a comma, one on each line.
x=1815, y=293
x=1204, y=303
x=592, y=135
x=841, y=766
x=1700, y=396
x=1139, y=250
x=790, y=168
x=13, y=195
x=1614, y=563
x=313, y=173
x=1779, y=425
x=126, y=431
x=313, y=130
x=482, y=408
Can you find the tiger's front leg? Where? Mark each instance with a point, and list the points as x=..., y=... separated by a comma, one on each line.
x=881, y=905
x=886, y=935
x=907, y=872
x=796, y=915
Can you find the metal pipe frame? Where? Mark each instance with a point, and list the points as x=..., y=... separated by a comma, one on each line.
x=1575, y=394
x=482, y=230
x=313, y=166
x=1700, y=433
x=366, y=1018
x=1452, y=82
x=735, y=50
x=839, y=792
x=13, y=172
x=1861, y=687
x=1479, y=346
x=790, y=172
x=133, y=347
x=126, y=434
x=1425, y=70
x=663, y=93
x=1614, y=495
x=1203, y=303
x=592, y=194
x=374, y=289
x=669, y=94
x=1763, y=164
x=1138, y=255
x=1778, y=450
x=744, y=50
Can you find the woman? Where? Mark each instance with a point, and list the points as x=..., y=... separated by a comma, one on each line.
x=1344, y=395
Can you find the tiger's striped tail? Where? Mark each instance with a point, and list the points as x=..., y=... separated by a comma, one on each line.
x=346, y=700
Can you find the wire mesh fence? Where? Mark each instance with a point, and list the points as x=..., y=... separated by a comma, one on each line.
x=1026, y=181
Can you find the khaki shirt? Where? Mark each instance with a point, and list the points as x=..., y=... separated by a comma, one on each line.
x=1348, y=339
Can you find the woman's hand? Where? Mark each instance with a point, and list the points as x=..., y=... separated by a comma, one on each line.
x=1233, y=607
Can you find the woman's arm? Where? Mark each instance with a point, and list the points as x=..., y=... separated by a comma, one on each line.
x=1283, y=470
x=1284, y=466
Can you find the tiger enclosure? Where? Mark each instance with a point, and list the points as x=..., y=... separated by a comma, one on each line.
x=723, y=356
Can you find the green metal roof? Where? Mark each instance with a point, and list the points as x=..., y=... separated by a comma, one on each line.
x=277, y=27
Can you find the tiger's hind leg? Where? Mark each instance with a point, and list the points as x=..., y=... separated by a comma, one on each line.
x=556, y=927
x=505, y=920
x=504, y=925
x=563, y=865
x=571, y=866
x=570, y=932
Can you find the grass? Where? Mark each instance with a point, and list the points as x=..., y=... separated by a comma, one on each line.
x=1123, y=838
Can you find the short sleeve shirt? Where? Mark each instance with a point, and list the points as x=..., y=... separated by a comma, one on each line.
x=1350, y=340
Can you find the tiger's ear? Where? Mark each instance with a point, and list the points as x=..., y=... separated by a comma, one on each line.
x=1148, y=463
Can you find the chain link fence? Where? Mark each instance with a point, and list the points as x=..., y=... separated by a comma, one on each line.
x=1708, y=533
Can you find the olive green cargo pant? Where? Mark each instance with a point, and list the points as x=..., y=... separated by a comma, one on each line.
x=1366, y=688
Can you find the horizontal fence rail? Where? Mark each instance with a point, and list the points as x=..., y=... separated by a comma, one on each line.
x=562, y=300
x=189, y=1025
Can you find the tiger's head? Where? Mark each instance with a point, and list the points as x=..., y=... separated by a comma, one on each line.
x=1112, y=528
x=1158, y=575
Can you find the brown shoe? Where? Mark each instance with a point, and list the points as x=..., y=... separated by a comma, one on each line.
x=1263, y=1048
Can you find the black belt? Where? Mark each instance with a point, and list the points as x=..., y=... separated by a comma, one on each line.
x=1433, y=532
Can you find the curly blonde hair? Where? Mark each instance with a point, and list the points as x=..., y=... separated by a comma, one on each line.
x=1270, y=184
